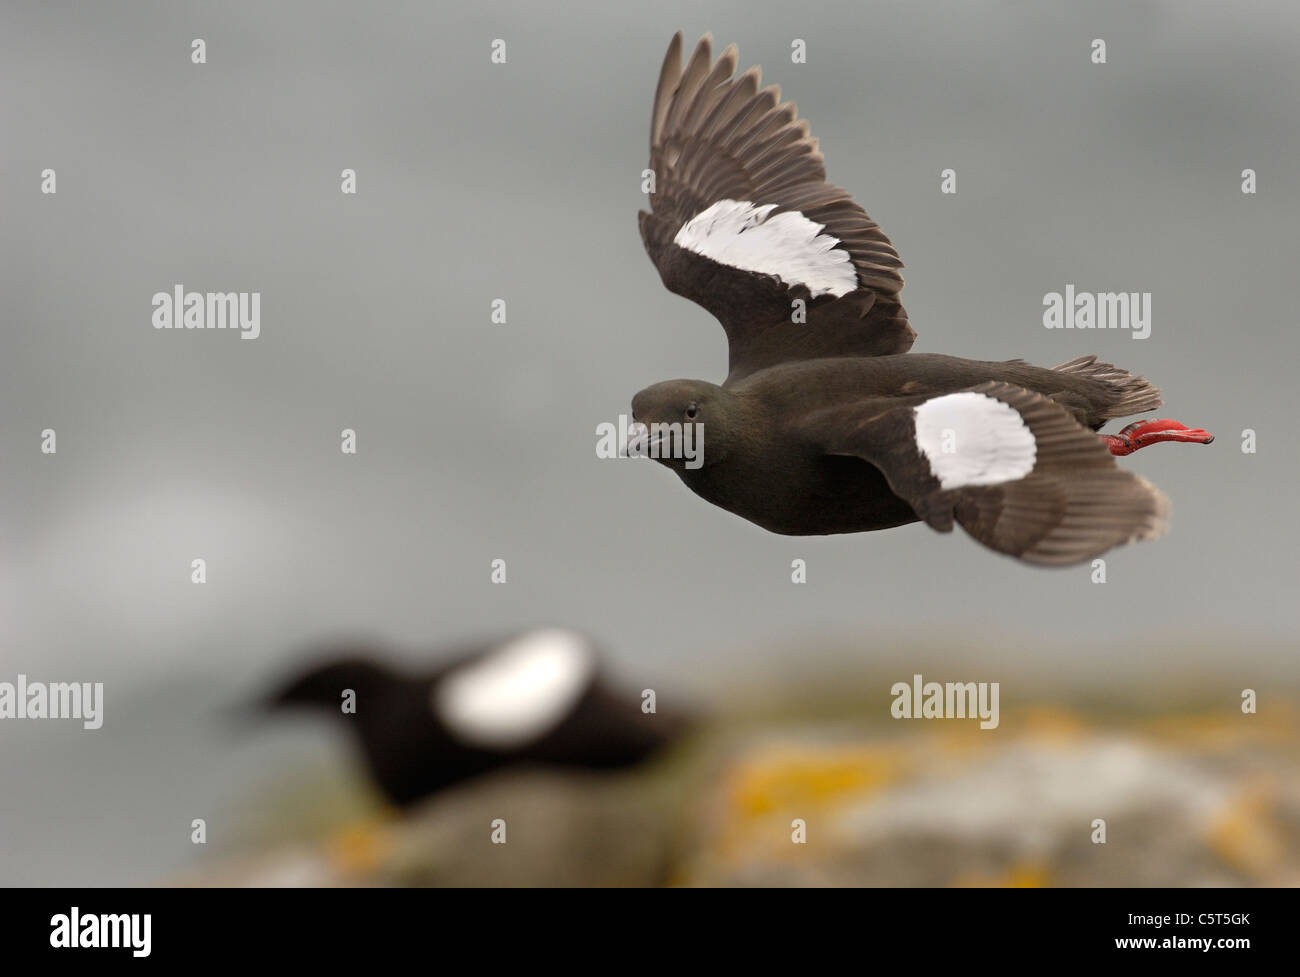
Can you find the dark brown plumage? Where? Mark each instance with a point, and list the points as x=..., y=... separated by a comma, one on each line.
x=823, y=425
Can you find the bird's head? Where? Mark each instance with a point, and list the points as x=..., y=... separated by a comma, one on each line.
x=324, y=686
x=684, y=424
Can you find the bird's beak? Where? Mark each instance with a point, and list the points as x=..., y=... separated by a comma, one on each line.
x=639, y=443
x=638, y=440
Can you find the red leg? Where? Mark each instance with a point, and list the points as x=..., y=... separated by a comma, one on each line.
x=1139, y=434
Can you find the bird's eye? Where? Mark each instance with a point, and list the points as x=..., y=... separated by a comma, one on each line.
x=693, y=410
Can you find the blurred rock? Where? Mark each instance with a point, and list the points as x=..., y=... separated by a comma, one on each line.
x=1014, y=806
x=567, y=829
x=1187, y=800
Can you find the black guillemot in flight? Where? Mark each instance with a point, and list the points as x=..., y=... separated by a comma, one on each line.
x=825, y=423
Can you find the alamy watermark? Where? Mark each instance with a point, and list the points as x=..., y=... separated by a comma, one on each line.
x=75, y=930
x=53, y=700
x=632, y=439
x=946, y=700
x=1098, y=310
x=179, y=309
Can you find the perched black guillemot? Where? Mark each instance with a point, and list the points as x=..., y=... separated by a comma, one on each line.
x=825, y=423
x=537, y=698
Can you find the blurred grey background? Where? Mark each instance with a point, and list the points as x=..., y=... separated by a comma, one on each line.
x=477, y=441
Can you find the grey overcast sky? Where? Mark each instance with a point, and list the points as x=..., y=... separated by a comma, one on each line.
x=477, y=440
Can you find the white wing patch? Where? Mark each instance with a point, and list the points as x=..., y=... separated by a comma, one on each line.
x=739, y=234
x=518, y=692
x=971, y=439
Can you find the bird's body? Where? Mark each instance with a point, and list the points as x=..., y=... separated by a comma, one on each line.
x=788, y=481
x=825, y=422
x=537, y=699
x=399, y=740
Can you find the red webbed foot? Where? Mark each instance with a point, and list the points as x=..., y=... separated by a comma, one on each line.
x=1139, y=434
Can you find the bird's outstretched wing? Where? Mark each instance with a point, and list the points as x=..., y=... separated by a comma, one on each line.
x=1013, y=468
x=743, y=222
